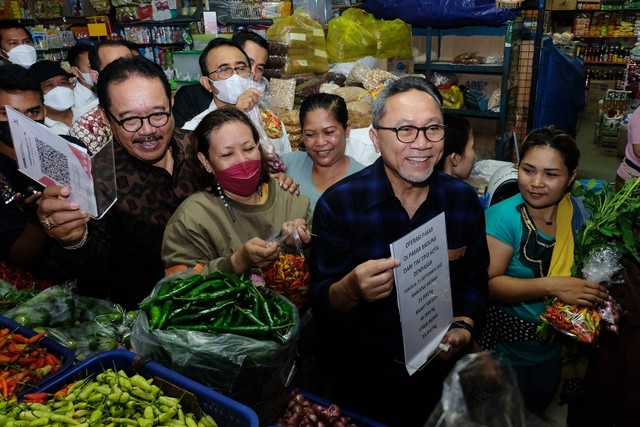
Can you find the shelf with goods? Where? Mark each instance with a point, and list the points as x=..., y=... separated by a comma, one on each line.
x=600, y=37
x=236, y=15
x=502, y=44
x=159, y=33
x=603, y=37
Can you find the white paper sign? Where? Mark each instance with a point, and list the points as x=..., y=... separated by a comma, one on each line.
x=52, y=160
x=424, y=290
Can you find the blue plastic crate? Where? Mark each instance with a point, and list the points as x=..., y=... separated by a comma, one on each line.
x=227, y=412
x=357, y=419
x=65, y=354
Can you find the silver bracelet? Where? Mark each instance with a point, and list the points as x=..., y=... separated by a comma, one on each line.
x=82, y=241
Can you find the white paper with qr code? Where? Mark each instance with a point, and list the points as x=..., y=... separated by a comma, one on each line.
x=424, y=291
x=52, y=160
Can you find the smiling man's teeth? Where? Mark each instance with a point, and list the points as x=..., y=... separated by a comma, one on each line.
x=417, y=159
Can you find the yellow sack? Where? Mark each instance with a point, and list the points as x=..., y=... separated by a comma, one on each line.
x=348, y=40
x=452, y=97
x=394, y=39
x=304, y=40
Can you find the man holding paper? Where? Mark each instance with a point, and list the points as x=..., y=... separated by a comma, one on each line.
x=360, y=345
x=118, y=256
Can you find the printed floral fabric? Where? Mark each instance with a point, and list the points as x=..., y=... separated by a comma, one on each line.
x=92, y=130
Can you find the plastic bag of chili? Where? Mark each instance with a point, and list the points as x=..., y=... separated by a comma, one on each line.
x=289, y=274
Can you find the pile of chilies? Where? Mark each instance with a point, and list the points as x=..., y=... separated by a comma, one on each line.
x=110, y=398
x=220, y=303
x=23, y=362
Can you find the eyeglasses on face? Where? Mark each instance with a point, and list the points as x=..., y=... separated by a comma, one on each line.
x=133, y=124
x=225, y=72
x=408, y=133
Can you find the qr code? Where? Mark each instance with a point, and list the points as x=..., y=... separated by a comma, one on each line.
x=54, y=164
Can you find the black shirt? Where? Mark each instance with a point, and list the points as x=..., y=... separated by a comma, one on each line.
x=188, y=102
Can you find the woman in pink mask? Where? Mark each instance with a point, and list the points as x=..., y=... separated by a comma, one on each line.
x=228, y=225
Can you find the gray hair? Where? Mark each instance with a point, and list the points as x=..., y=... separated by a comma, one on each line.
x=401, y=85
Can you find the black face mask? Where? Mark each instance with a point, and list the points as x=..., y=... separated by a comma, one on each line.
x=5, y=132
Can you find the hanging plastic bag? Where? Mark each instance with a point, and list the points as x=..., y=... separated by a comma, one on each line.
x=289, y=274
x=348, y=40
x=394, y=38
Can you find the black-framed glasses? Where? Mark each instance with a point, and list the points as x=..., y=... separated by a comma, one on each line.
x=225, y=72
x=133, y=124
x=408, y=133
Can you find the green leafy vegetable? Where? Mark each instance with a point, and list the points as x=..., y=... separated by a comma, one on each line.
x=614, y=217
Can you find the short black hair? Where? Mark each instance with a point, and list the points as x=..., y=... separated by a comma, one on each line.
x=73, y=55
x=456, y=136
x=122, y=69
x=14, y=78
x=241, y=37
x=5, y=25
x=333, y=104
x=94, y=57
x=214, y=43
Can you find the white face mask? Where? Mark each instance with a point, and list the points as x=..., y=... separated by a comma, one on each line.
x=59, y=98
x=24, y=55
x=86, y=77
x=230, y=89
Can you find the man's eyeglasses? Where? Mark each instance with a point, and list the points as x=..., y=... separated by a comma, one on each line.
x=226, y=72
x=133, y=124
x=408, y=133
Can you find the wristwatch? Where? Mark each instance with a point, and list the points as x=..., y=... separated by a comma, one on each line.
x=462, y=325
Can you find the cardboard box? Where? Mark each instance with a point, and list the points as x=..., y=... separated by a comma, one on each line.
x=597, y=91
x=396, y=65
x=484, y=83
x=561, y=5
x=452, y=46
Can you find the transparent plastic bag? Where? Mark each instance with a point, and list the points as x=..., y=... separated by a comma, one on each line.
x=481, y=391
x=289, y=274
x=253, y=371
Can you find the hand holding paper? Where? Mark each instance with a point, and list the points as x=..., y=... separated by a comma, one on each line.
x=62, y=218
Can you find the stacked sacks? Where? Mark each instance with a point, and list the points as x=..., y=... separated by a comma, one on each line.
x=297, y=45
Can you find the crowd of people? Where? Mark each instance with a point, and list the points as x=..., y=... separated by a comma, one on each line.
x=199, y=187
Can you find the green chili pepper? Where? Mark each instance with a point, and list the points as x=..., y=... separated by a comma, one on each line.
x=216, y=295
x=191, y=317
x=209, y=285
x=154, y=315
x=166, y=308
x=180, y=288
x=250, y=316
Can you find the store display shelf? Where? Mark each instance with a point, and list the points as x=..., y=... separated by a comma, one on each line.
x=604, y=63
x=473, y=113
x=462, y=68
x=605, y=37
x=178, y=20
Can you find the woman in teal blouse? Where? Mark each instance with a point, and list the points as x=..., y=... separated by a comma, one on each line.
x=324, y=119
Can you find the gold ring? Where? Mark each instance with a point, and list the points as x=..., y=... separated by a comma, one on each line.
x=48, y=223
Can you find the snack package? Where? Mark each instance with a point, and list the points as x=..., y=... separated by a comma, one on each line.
x=289, y=274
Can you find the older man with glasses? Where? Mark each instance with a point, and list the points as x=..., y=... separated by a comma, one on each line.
x=353, y=293
x=118, y=256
